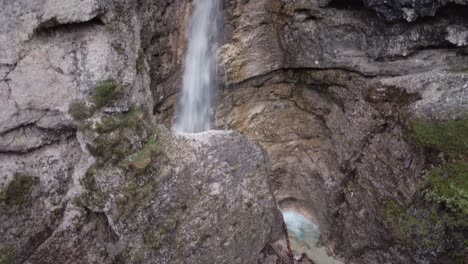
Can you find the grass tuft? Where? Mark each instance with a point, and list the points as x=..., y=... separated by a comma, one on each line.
x=18, y=191
x=106, y=93
x=79, y=110
x=450, y=137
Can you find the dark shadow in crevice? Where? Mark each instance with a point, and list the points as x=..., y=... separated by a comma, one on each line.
x=52, y=25
x=346, y=4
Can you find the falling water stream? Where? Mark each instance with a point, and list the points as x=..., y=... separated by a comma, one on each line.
x=200, y=71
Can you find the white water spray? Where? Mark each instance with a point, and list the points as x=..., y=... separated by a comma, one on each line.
x=200, y=72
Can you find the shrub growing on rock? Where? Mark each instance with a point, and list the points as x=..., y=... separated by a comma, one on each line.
x=18, y=191
x=105, y=93
x=79, y=110
x=436, y=222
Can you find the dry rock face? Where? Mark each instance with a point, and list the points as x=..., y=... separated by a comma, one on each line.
x=409, y=10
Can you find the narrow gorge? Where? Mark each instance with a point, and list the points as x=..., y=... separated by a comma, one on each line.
x=229, y=131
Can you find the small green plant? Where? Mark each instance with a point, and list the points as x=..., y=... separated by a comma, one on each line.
x=115, y=133
x=79, y=110
x=105, y=93
x=151, y=240
x=450, y=137
x=448, y=185
x=436, y=221
x=141, y=160
x=7, y=255
x=18, y=191
x=140, y=62
x=88, y=181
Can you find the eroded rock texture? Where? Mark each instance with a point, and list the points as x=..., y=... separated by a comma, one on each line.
x=87, y=176
x=327, y=88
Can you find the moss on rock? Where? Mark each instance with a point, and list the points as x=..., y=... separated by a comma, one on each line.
x=105, y=93
x=7, y=254
x=135, y=195
x=450, y=137
x=79, y=110
x=141, y=160
x=116, y=136
x=436, y=221
x=448, y=185
x=140, y=61
x=18, y=191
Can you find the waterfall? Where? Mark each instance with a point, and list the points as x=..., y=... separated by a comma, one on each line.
x=200, y=71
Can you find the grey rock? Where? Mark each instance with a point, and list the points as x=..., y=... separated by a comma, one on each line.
x=325, y=88
x=392, y=10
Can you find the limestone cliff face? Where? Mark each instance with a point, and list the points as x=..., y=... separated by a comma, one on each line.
x=327, y=88
x=87, y=175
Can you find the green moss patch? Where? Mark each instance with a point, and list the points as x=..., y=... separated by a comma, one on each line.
x=151, y=240
x=141, y=160
x=428, y=229
x=448, y=186
x=140, y=62
x=436, y=222
x=450, y=137
x=106, y=93
x=79, y=110
x=18, y=191
x=7, y=255
x=116, y=135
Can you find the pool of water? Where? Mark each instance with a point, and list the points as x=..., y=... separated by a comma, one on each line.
x=304, y=236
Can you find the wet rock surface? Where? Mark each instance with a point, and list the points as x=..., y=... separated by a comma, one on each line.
x=328, y=89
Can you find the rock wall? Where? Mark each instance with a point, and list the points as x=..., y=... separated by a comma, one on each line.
x=329, y=89
x=86, y=173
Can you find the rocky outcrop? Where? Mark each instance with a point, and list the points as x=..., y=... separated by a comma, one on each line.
x=226, y=213
x=409, y=10
x=87, y=176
